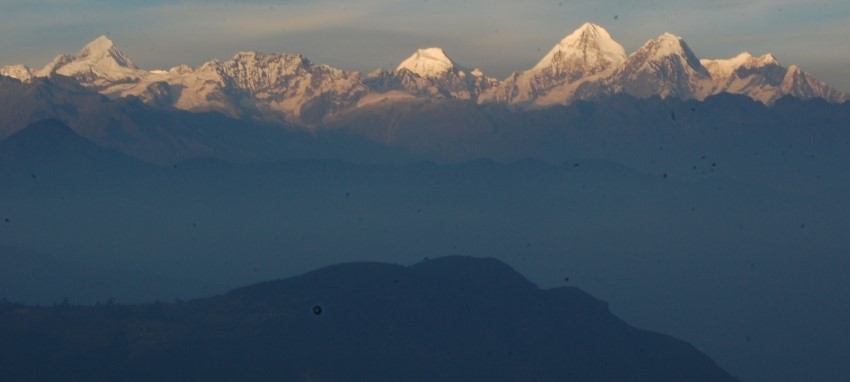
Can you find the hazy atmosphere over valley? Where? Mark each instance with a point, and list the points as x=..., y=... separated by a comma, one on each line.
x=429, y=190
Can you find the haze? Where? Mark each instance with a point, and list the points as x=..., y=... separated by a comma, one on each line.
x=497, y=36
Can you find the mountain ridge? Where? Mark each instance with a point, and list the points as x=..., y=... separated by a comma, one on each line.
x=587, y=64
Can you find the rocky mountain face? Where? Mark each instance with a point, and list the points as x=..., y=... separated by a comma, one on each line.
x=765, y=80
x=665, y=67
x=19, y=72
x=587, y=64
x=283, y=87
x=285, y=84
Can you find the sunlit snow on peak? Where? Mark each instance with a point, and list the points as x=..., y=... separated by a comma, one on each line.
x=103, y=49
x=590, y=44
x=428, y=62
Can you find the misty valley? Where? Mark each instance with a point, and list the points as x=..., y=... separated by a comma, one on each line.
x=599, y=217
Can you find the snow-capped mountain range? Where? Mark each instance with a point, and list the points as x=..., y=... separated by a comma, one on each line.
x=585, y=65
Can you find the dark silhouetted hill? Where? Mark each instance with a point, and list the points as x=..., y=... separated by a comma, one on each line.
x=449, y=319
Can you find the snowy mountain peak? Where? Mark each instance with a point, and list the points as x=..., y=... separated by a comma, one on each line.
x=667, y=36
x=588, y=46
x=768, y=59
x=100, y=44
x=19, y=72
x=667, y=48
x=100, y=64
x=102, y=48
x=667, y=44
x=723, y=68
x=428, y=62
x=747, y=59
x=664, y=67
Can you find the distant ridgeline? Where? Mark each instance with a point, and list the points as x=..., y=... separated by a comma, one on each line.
x=449, y=319
x=588, y=64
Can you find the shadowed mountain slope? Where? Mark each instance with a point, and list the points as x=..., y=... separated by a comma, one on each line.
x=450, y=319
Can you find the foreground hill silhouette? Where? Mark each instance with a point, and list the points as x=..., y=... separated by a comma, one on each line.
x=449, y=319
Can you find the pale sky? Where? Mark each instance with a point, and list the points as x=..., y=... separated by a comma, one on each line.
x=496, y=36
